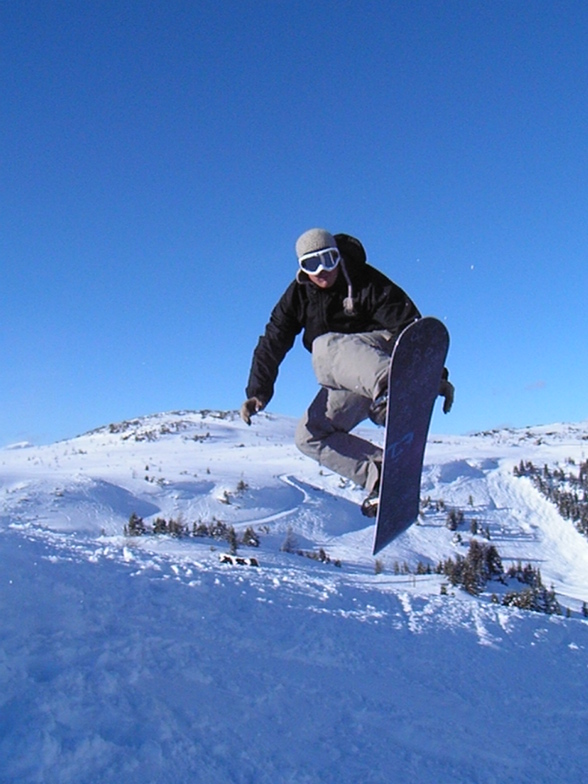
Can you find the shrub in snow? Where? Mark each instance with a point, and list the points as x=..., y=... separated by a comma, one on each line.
x=290, y=543
x=215, y=530
x=525, y=574
x=455, y=518
x=160, y=526
x=250, y=538
x=135, y=526
x=536, y=598
x=481, y=564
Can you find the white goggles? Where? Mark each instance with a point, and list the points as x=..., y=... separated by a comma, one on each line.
x=319, y=260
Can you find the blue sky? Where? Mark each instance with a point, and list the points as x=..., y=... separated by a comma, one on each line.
x=160, y=158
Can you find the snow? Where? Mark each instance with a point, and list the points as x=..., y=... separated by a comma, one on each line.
x=146, y=659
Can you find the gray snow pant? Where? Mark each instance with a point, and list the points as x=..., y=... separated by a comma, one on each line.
x=352, y=371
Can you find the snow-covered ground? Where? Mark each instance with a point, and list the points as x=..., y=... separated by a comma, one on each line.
x=146, y=659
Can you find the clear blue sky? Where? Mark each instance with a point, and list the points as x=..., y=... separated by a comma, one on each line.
x=160, y=158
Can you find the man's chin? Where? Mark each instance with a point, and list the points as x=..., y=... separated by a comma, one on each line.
x=324, y=280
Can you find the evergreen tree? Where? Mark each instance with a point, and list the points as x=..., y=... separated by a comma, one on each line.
x=250, y=538
x=136, y=525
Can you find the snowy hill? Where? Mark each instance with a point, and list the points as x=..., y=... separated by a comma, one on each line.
x=146, y=659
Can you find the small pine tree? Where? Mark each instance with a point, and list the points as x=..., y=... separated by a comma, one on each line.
x=535, y=598
x=250, y=538
x=455, y=518
x=200, y=529
x=136, y=526
x=160, y=526
x=481, y=564
x=176, y=528
x=231, y=537
x=290, y=543
x=217, y=529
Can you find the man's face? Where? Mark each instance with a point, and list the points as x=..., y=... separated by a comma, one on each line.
x=325, y=278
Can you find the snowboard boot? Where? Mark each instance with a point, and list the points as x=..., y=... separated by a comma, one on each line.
x=369, y=507
x=378, y=410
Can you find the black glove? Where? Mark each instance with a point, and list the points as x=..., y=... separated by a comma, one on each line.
x=447, y=391
x=250, y=407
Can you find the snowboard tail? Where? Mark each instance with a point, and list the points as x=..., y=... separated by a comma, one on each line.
x=416, y=369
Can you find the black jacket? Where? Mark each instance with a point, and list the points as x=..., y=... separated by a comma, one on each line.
x=378, y=303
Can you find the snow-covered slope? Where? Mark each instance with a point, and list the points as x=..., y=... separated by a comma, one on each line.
x=146, y=659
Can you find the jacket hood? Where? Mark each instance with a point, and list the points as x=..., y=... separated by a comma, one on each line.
x=352, y=251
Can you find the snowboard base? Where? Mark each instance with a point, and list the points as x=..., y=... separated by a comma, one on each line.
x=416, y=369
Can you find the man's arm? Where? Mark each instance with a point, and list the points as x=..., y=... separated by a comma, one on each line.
x=278, y=338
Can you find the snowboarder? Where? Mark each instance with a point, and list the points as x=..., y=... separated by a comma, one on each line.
x=350, y=315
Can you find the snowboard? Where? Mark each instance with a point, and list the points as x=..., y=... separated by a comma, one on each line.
x=416, y=369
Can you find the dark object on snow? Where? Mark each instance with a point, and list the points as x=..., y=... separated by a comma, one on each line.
x=237, y=560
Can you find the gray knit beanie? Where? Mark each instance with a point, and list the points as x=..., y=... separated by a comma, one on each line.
x=319, y=239
x=314, y=239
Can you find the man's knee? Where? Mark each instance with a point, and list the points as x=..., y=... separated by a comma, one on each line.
x=305, y=440
x=322, y=358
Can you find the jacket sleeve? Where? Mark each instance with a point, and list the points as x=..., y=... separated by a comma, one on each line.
x=279, y=336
